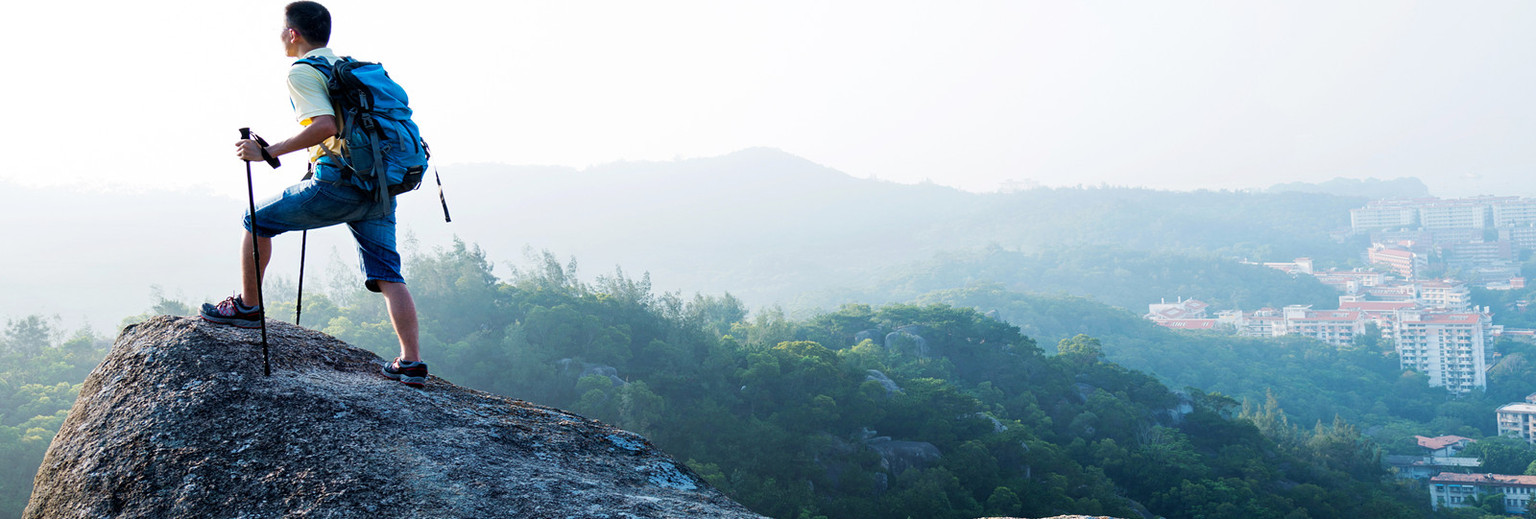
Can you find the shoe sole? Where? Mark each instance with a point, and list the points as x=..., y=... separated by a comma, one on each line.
x=416, y=382
x=249, y=324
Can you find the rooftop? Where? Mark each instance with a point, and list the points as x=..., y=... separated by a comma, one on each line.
x=1484, y=479
x=1330, y=315
x=1396, y=253
x=1440, y=442
x=1446, y=319
x=1188, y=324
x=1376, y=306
x=1518, y=407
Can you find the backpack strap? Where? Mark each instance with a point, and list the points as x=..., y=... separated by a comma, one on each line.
x=380, y=170
x=328, y=70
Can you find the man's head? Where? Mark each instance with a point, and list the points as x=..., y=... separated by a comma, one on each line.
x=309, y=22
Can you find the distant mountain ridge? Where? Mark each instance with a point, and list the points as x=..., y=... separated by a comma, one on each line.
x=760, y=223
x=766, y=225
x=1406, y=187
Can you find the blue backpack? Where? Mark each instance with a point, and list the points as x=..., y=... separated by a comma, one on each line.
x=374, y=128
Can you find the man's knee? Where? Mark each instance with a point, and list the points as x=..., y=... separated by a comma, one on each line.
x=385, y=287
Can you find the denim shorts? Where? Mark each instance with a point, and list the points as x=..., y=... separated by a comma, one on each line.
x=314, y=203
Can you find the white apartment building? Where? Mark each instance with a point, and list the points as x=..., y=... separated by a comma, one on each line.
x=1435, y=213
x=1521, y=238
x=1455, y=214
x=1448, y=295
x=1448, y=347
x=1263, y=322
x=1450, y=490
x=1351, y=281
x=1378, y=215
x=1383, y=313
x=1516, y=419
x=1514, y=212
x=1336, y=327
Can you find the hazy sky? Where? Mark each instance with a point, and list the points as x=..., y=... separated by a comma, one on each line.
x=971, y=94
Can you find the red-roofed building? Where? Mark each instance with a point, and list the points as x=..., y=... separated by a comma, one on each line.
x=1182, y=309
x=1451, y=490
x=1446, y=446
x=1405, y=262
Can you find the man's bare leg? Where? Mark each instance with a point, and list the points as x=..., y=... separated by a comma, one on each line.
x=402, y=313
x=249, y=273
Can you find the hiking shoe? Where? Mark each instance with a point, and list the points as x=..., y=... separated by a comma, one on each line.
x=232, y=311
x=412, y=374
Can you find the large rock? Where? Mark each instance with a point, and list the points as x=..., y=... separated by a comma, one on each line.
x=178, y=421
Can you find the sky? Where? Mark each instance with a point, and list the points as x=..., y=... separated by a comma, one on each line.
x=979, y=95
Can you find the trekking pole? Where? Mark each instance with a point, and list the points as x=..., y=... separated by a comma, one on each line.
x=440, y=196
x=298, y=306
x=250, y=189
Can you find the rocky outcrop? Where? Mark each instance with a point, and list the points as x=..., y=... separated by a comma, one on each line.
x=569, y=367
x=178, y=421
x=897, y=456
x=879, y=377
x=907, y=340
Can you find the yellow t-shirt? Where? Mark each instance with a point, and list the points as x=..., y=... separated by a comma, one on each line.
x=310, y=97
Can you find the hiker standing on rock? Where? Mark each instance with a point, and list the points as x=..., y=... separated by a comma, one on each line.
x=332, y=195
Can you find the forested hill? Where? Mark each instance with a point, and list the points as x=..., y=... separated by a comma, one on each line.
x=766, y=225
x=872, y=412
x=771, y=227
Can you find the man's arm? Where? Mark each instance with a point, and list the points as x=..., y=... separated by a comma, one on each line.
x=320, y=128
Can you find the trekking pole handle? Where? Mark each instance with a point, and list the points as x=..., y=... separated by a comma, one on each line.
x=246, y=133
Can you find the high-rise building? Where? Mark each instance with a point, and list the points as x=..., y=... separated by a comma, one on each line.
x=1521, y=238
x=1434, y=213
x=1478, y=254
x=1374, y=216
x=1514, y=212
x=1455, y=214
x=1447, y=347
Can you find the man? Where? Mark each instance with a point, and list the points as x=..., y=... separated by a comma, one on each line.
x=323, y=200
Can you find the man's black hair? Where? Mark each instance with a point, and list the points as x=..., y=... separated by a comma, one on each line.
x=311, y=20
